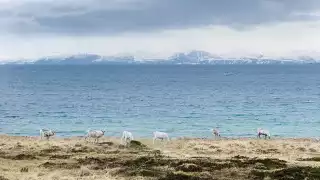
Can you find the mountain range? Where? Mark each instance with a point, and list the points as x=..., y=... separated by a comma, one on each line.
x=193, y=57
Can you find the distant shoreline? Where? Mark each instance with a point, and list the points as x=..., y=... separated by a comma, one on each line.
x=155, y=64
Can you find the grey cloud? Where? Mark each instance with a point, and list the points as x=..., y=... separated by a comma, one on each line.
x=91, y=17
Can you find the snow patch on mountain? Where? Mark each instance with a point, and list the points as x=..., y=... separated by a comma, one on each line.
x=192, y=57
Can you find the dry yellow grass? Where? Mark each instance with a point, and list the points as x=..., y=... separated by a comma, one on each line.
x=29, y=158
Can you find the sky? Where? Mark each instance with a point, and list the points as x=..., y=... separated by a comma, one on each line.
x=31, y=29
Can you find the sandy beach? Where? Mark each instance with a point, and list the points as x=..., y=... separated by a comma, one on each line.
x=28, y=158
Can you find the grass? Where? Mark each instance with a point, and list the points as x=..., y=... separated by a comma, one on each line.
x=28, y=158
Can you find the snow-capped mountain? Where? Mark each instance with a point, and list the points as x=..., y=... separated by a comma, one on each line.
x=192, y=57
x=84, y=59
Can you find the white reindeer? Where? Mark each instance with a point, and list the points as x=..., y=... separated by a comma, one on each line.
x=216, y=132
x=263, y=132
x=126, y=138
x=160, y=135
x=46, y=133
x=95, y=134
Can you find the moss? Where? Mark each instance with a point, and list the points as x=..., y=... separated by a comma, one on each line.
x=313, y=150
x=205, y=175
x=102, y=162
x=62, y=156
x=260, y=166
x=50, y=150
x=309, y=159
x=96, y=167
x=155, y=153
x=81, y=149
x=302, y=149
x=315, y=172
x=205, y=163
x=136, y=144
x=189, y=168
x=148, y=161
x=21, y=157
x=292, y=173
x=24, y=169
x=113, y=152
x=3, y=178
x=258, y=175
x=267, y=151
x=63, y=165
x=143, y=172
x=240, y=157
x=107, y=143
x=185, y=176
x=268, y=163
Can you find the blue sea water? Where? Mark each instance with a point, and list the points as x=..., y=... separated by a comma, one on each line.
x=181, y=100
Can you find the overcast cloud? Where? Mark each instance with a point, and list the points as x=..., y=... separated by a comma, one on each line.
x=44, y=20
x=90, y=17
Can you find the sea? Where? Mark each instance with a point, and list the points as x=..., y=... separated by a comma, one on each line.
x=182, y=100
